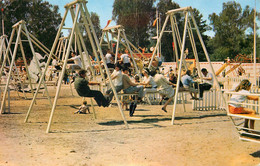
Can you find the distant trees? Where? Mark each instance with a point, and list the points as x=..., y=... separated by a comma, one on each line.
x=42, y=19
x=166, y=42
x=233, y=29
x=135, y=16
x=96, y=23
x=140, y=31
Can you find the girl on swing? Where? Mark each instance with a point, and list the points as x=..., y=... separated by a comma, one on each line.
x=234, y=108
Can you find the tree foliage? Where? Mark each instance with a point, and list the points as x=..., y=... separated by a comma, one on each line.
x=42, y=19
x=96, y=23
x=231, y=29
x=167, y=39
x=135, y=16
x=166, y=42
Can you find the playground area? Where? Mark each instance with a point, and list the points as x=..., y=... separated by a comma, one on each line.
x=104, y=102
x=196, y=138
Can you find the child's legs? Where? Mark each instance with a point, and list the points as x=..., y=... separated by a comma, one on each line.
x=167, y=102
x=252, y=124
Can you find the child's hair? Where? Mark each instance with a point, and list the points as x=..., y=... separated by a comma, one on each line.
x=85, y=102
x=244, y=84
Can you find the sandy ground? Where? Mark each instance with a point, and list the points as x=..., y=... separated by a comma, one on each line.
x=197, y=138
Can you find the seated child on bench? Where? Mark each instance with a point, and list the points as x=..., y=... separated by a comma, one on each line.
x=234, y=108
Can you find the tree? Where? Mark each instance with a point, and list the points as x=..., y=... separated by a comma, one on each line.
x=166, y=42
x=135, y=16
x=96, y=23
x=167, y=39
x=42, y=19
x=230, y=28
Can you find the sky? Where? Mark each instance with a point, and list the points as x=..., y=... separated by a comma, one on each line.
x=104, y=8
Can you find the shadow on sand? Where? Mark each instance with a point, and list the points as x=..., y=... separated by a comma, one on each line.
x=256, y=154
x=154, y=120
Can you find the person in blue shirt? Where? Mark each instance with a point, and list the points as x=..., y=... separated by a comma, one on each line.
x=187, y=82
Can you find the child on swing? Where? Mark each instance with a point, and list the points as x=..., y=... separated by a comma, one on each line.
x=83, y=108
x=234, y=108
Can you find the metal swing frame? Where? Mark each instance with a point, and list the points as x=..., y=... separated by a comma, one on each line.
x=81, y=10
x=20, y=29
x=189, y=21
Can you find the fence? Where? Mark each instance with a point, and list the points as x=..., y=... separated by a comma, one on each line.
x=212, y=100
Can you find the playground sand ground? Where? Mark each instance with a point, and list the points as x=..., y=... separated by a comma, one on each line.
x=196, y=138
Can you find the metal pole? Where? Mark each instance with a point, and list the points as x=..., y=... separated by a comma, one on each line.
x=62, y=72
x=117, y=44
x=179, y=68
x=106, y=68
x=206, y=54
x=46, y=67
x=10, y=69
x=159, y=40
x=255, y=45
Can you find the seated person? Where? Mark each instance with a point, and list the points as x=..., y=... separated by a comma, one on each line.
x=109, y=59
x=125, y=59
x=148, y=82
x=82, y=87
x=173, y=81
x=139, y=63
x=77, y=61
x=131, y=87
x=159, y=60
x=116, y=76
x=234, y=108
x=155, y=62
x=187, y=84
x=83, y=108
x=208, y=82
x=164, y=87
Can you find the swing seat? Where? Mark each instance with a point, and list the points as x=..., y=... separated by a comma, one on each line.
x=250, y=134
x=249, y=137
x=246, y=116
x=246, y=134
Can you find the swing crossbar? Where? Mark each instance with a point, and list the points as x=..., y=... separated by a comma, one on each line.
x=189, y=8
